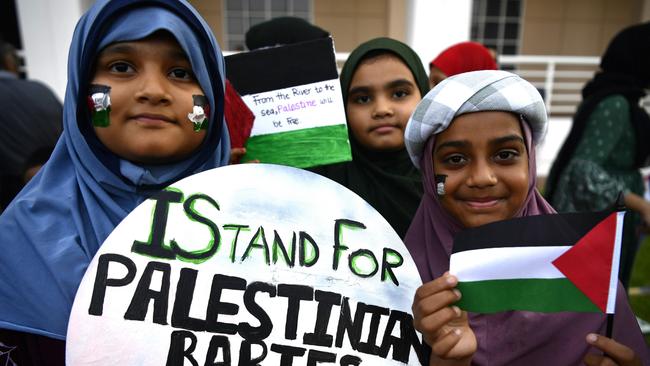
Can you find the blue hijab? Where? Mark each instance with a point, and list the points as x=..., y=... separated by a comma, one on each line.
x=52, y=230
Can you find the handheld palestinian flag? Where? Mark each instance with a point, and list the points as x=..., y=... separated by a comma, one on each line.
x=295, y=95
x=545, y=263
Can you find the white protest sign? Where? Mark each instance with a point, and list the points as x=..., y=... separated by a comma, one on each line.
x=245, y=265
x=295, y=95
x=294, y=108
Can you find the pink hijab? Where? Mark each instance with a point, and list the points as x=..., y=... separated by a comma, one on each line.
x=514, y=337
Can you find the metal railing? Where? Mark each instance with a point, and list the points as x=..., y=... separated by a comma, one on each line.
x=560, y=79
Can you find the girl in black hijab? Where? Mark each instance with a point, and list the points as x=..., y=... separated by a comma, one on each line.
x=609, y=140
x=382, y=81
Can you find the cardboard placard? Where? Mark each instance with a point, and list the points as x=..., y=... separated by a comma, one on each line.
x=294, y=92
x=244, y=265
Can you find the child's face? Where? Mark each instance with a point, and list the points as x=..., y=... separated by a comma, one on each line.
x=484, y=157
x=152, y=84
x=382, y=96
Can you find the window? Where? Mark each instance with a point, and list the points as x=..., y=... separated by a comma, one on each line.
x=243, y=14
x=497, y=24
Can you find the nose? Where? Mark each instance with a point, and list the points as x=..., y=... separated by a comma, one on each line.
x=383, y=107
x=153, y=88
x=481, y=175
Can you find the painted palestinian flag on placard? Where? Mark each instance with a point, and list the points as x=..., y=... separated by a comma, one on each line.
x=544, y=263
x=294, y=93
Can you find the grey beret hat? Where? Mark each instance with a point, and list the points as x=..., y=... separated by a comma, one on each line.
x=486, y=90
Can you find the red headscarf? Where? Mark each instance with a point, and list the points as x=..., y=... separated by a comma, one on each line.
x=464, y=57
x=239, y=117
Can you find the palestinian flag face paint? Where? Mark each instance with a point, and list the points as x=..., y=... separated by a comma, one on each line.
x=99, y=102
x=200, y=112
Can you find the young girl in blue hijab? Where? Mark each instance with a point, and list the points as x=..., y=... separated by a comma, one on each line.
x=143, y=108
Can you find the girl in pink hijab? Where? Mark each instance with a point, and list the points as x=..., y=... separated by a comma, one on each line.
x=473, y=137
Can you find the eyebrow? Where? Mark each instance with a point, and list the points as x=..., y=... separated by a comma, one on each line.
x=359, y=89
x=454, y=143
x=496, y=141
x=509, y=138
x=118, y=48
x=399, y=82
x=392, y=84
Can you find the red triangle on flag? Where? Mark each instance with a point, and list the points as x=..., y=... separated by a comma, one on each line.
x=588, y=264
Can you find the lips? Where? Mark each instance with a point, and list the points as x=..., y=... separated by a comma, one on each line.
x=482, y=202
x=384, y=128
x=152, y=118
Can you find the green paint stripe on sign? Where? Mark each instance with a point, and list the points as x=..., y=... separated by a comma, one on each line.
x=301, y=148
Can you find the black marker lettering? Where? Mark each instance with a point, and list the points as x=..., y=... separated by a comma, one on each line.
x=325, y=302
x=177, y=351
x=305, y=238
x=215, y=240
x=218, y=343
x=216, y=307
x=288, y=353
x=387, y=266
x=102, y=281
x=339, y=225
x=266, y=325
x=143, y=294
x=155, y=246
x=294, y=294
x=183, y=302
x=245, y=357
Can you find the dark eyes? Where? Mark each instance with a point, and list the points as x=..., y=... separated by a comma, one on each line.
x=401, y=94
x=502, y=156
x=180, y=73
x=365, y=99
x=506, y=155
x=455, y=159
x=122, y=67
x=361, y=99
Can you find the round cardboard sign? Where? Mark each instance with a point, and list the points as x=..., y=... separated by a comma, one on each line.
x=244, y=265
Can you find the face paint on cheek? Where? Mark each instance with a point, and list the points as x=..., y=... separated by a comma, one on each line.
x=440, y=184
x=200, y=112
x=99, y=102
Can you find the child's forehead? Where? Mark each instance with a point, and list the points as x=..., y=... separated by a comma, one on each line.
x=483, y=126
x=375, y=56
x=160, y=41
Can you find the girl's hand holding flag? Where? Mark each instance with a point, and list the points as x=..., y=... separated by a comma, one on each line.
x=614, y=353
x=444, y=326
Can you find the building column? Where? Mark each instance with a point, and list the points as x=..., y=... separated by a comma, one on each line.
x=437, y=24
x=645, y=11
x=46, y=27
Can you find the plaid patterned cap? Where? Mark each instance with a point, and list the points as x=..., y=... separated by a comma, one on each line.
x=486, y=90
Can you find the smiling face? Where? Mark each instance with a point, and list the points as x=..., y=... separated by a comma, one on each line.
x=152, y=84
x=484, y=157
x=381, y=98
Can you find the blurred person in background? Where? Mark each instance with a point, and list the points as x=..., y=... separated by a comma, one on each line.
x=609, y=141
x=459, y=58
x=30, y=120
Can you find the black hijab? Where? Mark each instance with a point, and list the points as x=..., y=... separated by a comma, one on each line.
x=625, y=70
x=282, y=30
x=387, y=180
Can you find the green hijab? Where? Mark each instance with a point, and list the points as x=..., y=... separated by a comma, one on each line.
x=387, y=180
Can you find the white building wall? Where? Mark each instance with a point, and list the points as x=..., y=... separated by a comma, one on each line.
x=437, y=24
x=46, y=27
